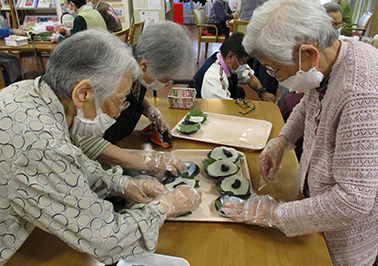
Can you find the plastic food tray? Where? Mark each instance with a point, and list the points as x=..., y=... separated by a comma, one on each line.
x=234, y=131
x=155, y=260
x=206, y=212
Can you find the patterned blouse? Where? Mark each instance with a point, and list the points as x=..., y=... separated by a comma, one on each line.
x=46, y=181
x=340, y=158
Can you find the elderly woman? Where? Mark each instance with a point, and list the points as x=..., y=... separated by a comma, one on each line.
x=338, y=116
x=163, y=52
x=48, y=182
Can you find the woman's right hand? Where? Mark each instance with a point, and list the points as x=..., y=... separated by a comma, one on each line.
x=180, y=201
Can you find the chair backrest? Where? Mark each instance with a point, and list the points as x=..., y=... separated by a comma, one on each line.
x=240, y=26
x=136, y=31
x=123, y=35
x=200, y=16
x=363, y=22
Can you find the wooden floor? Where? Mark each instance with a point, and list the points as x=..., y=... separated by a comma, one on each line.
x=192, y=31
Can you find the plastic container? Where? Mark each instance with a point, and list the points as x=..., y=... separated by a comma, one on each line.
x=14, y=40
x=181, y=98
x=155, y=260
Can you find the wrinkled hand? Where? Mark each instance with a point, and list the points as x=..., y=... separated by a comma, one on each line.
x=271, y=157
x=258, y=210
x=19, y=32
x=180, y=201
x=268, y=97
x=143, y=189
x=156, y=117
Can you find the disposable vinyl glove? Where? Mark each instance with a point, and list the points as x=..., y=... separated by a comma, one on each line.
x=180, y=201
x=157, y=161
x=271, y=157
x=143, y=189
x=258, y=210
x=156, y=117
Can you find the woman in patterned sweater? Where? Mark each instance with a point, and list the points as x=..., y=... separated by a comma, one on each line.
x=338, y=117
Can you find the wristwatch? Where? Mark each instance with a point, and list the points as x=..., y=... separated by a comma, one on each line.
x=261, y=91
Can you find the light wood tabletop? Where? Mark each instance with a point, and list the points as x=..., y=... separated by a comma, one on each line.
x=207, y=243
x=40, y=46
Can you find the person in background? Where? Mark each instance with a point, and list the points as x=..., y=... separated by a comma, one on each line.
x=347, y=15
x=338, y=117
x=112, y=21
x=48, y=182
x=247, y=8
x=335, y=12
x=220, y=79
x=163, y=52
x=85, y=18
x=219, y=14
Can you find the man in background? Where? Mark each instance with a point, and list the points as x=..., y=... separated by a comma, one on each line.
x=113, y=24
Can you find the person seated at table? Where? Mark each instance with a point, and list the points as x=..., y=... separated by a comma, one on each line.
x=338, y=117
x=85, y=18
x=48, y=182
x=163, y=52
x=220, y=13
x=347, y=15
x=220, y=75
x=334, y=11
x=110, y=16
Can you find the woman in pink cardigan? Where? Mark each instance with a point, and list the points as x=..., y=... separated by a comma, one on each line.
x=338, y=117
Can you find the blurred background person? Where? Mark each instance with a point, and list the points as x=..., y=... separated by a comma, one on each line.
x=335, y=12
x=347, y=15
x=220, y=13
x=110, y=16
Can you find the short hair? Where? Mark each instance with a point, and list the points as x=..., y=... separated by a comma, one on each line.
x=96, y=55
x=77, y=3
x=233, y=44
x=167, y=49
x=280, y=26
x=332, y=8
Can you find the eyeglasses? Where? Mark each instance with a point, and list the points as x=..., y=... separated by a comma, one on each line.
x=122, y=104
x=273, y=72
x=245, y=104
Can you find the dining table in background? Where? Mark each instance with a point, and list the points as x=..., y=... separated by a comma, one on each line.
x=207, y=243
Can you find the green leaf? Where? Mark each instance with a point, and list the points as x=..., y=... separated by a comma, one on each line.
x=218, y=204
x=207, y=162
x=189, y=128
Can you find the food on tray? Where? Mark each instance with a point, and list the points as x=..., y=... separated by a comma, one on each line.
x=179, y=181
x=219, y=168
x=234, y=185
x=225, y=153
x=189, y=127
x=223, y=200
x=197, y=116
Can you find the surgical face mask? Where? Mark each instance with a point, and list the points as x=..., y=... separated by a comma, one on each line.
x=302, y=80
x=338, y=32
x=87, y=128
x=72, y=12
x=239, y=70
x=156, y=85
x=90, y=4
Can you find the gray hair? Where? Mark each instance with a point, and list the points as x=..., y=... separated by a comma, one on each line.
x=332, y=8
x=96, y=55
x=280, y=26
x=167, y=49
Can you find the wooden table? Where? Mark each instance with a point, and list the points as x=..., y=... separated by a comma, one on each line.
x=207, y=243
x=40, y=46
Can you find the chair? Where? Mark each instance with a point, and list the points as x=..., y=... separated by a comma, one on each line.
x=136, y=31
x=359, y=29
x=240, y=26
x=123, y=35
x=203, y=35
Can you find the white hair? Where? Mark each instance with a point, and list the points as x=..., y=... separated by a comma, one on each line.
x=280, y=26
x=96, y=55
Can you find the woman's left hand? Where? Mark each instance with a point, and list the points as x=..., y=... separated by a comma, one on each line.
x=143, y=189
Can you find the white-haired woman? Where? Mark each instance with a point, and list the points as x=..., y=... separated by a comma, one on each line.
x=163, y=52
x=48, y=182
x=338, y=117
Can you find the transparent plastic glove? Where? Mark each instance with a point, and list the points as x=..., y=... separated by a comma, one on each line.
x=156, y=117
x=258, y=210
x=143, y=189
x=54, y=37
x=159, y=162
x=180, y=201
x=270, y=159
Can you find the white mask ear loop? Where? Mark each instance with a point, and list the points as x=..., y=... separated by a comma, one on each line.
x=300, y=55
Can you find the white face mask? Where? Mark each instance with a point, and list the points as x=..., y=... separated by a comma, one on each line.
x=302, y=80
x=86, y=127
x=72, y=12
x=90, y=4
x=239, y=70
x=156, y=85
